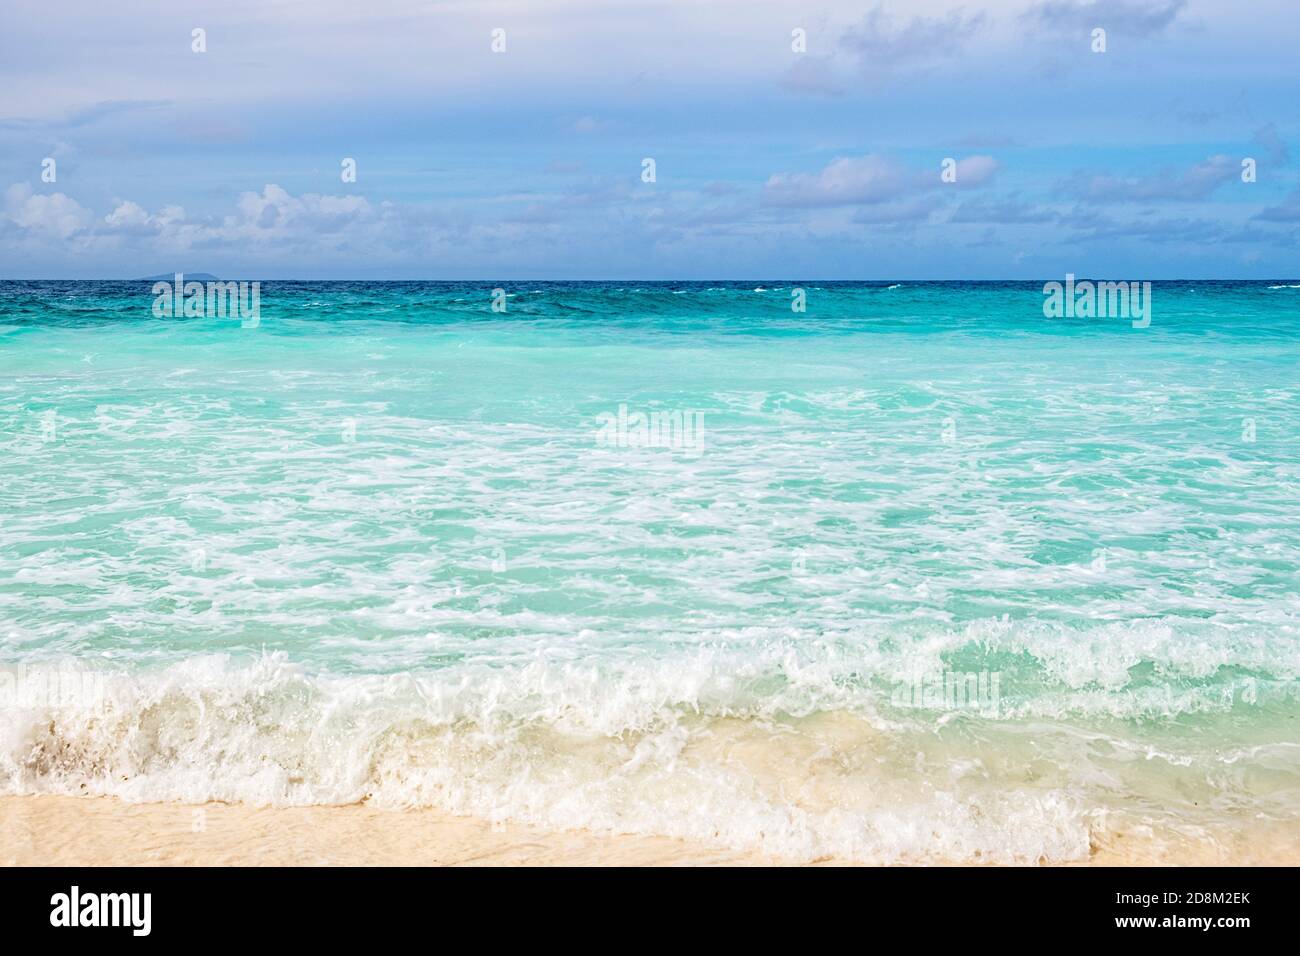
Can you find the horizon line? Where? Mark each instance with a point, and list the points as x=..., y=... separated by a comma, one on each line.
x=210, y=278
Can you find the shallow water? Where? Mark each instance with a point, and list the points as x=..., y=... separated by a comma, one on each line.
x=932, y=577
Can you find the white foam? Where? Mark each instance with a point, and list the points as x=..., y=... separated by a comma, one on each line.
x=759, y=746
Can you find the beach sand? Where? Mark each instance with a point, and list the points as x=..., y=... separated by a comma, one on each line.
x=104, y=831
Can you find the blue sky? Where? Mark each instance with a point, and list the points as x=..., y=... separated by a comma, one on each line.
x=769, y=162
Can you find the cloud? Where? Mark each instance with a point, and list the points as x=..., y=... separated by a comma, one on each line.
x=1191, y=185
x=1185, y=231
x=879, y=44
x=1275, y=150
x=130, y=219
x=1007, y=210
x=862, y=180
x=1286, y=211
x=272, y=217
x=916, y=210
x=275, y=213
x=129, y=216
x=814, y=74
x=49, y=215
x=844, y=181
x=1137, y=18
x=975, y=171
x=588, y=124
x=878, y=50
x=1094, y=228
x=271, y=227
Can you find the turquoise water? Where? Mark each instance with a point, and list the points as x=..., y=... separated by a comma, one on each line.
x=389, y=545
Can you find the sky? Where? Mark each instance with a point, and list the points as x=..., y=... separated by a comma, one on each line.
x=788, y=140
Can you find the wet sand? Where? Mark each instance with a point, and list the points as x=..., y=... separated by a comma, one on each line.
x=104, y=831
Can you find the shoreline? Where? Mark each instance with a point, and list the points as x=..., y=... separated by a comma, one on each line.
x=59, y=830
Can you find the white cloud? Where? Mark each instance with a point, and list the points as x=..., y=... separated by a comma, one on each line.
x=54, y=215
x=1286, y=211
x=275, y=213
x=861, y=180
x=1136, y=18
x=268, y=218
x=877, y=50
x=976, y=170
x=129, y=216
x=844, y=181
x=1192, y=184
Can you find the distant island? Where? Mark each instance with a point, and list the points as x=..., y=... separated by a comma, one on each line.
x=196, y=276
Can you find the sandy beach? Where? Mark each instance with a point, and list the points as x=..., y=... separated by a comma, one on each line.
x=104, y=831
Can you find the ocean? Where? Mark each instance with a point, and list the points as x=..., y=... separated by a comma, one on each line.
x=917, y=574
